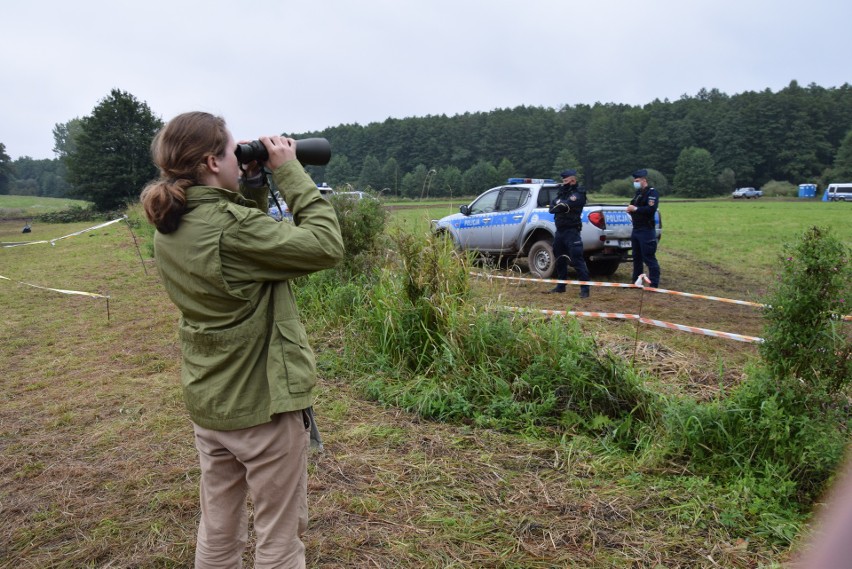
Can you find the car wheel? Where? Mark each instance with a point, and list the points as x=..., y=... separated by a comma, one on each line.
x=541, y=259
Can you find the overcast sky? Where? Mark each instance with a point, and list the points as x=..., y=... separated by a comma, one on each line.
x=273, y=66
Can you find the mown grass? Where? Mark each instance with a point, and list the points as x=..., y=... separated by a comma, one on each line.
x=744, y=238
x=99, y=468
x=23, y=207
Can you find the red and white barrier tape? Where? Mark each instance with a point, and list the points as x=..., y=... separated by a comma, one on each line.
x=637, y=284
x=622, y=285
x=650, y=321
x=702, y=331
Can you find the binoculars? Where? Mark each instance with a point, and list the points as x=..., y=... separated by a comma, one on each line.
x=309, y=151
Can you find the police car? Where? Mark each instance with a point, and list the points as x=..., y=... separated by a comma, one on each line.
x=513, y=221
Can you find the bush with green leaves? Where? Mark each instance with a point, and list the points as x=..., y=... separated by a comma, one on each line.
x=776, y=189
x=786, y=425
x=624, y=186
x=362, y=225
x=73, y=214
x=619, y=187
x=807, y=345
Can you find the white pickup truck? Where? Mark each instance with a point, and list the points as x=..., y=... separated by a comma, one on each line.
x=513, y=221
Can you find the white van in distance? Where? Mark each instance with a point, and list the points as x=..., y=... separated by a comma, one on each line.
x=839, y=192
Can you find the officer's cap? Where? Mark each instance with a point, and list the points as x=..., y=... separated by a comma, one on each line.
x=643, y=173
x=568, y=173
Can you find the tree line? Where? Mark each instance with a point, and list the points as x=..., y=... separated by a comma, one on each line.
x=700, y=145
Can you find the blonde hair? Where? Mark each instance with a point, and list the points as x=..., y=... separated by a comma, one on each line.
x=179, y=150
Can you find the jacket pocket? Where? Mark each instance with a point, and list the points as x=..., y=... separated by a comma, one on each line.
x=221, y=376
x=297, y=358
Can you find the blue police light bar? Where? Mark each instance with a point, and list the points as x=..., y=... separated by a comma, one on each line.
x=530, y=181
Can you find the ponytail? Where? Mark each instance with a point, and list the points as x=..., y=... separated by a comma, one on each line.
x=178, y=151
x=164, y=202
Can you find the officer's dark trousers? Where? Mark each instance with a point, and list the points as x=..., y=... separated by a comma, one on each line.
x=568, y=247
x=645, y=252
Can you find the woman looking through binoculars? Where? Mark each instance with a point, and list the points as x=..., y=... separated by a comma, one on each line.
x=248, y=372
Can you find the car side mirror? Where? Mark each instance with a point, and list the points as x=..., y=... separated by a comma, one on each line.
x=465, y=210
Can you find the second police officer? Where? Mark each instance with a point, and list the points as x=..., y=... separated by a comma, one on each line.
x=567, y=210
x=643, y=209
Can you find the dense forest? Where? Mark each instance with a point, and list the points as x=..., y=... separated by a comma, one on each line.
x=699, y=145
x=752, y=138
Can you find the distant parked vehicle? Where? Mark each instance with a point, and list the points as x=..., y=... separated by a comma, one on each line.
x=839, y=192
x=746, y=193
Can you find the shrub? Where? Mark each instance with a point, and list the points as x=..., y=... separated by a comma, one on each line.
x=780, y=189
x=362, y=225
x=621, y=187
x=762, y=431
x=412, y=307
x=786, y=424
x=805, y=346
x=624, y=186
x=74, y=214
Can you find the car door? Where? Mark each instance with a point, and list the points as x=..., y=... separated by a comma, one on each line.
x=474, y=229
x=508, y=219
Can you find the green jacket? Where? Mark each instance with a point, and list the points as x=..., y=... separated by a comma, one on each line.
x=228, y=268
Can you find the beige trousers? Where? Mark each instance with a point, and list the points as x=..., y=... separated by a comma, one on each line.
x=268, y=462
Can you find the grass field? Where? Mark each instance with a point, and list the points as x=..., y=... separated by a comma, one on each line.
x=740, y=236
x=24, y=207
x=99, y=468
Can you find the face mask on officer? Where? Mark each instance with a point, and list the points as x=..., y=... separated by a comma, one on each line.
x=637, y=185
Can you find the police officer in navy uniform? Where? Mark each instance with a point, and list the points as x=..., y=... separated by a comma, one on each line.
x=643, y=208
x=567, y=209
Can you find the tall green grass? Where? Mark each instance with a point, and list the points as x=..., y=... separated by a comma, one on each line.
x=418, y=340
